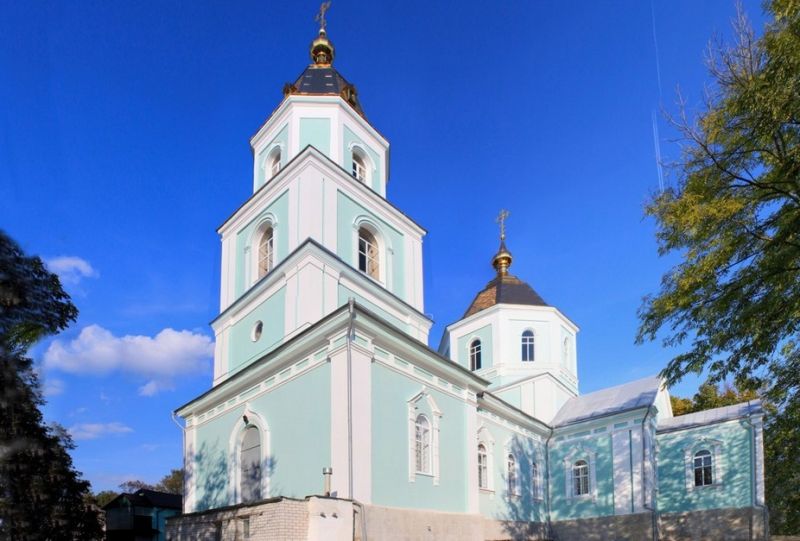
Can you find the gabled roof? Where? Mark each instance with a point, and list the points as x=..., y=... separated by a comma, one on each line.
x=716, y=415
x=504, y=289
x=628, y=396
x=149, y=498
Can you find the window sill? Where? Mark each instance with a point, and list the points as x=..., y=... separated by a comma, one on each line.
x=486, y=490
x=707, y=487
x=423, y=474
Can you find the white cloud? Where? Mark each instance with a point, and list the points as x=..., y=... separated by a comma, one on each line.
x=154, y=386
x=91, y=431
x=71, y=269
x=159, y=358
x=53, y=387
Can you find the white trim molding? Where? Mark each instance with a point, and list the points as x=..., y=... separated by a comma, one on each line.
x=580, y=453
x=717, y=462
x=436, y=416
x=484, y=436
x=234, y=448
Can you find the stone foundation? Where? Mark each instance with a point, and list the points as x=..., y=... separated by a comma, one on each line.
x=330, y=519
x=742, y=524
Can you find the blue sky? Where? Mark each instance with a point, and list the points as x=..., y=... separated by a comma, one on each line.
x=124, y=144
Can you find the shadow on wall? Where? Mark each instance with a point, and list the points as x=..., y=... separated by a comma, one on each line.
x=211, y=468
x=732, y=484
x=523, y=507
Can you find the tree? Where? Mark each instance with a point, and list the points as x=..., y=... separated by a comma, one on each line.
x=734, y=216
x=172, y=482
x=711, y=395
x=41, y=494
x=732, y=303
x=134, y=485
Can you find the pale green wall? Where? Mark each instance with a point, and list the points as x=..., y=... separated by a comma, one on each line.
x=345, y=294
x=512, y=396
x=281, y=137
x=299, y=443
x=390, y=445
x=317, y=133
x=278, y=208
x=375, y=176
x=498, y=504
x=735, y=490
x=566, y=509
x=242, y=350
x=348, y=210
x=485, y=336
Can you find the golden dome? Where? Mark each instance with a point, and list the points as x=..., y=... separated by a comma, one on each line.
x=322, y=50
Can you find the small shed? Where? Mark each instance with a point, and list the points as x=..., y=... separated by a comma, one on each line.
x=140, y=515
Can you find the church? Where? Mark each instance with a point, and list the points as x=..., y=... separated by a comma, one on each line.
x=330, y=416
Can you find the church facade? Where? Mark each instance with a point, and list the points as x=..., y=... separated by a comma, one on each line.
x=322, y=363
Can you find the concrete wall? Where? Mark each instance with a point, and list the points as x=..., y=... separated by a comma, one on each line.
x=636, y=527
x=279, y=519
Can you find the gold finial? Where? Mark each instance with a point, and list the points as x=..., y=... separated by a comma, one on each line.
x=502, y=259
x=322, y=49
x=320, y=18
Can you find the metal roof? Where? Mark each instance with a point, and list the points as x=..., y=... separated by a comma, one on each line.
x=504, y=289
x=716, y=415
x=629, y=396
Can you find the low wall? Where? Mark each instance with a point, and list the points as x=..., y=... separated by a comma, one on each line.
x=743, y=524
x=638, y=527
x=269, y=520
x=396, y=524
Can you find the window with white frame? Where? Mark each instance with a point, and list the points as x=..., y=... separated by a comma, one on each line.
x=475, y=355
x=250, y=464
x=527, y=346
x=274, y=162
x=360, y=171
x=266, y=251
x=368, y=253
x=511, y=474
x=423, y=444
x=703, y=468
x=580, y=478
x=535, y=485
x=483, y=467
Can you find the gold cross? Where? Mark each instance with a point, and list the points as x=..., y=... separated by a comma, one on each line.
x=501, y=219
x=320, y=18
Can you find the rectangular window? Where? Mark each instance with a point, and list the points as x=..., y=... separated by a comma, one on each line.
x=246, y=528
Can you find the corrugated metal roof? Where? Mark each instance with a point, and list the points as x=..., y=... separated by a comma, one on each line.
x=716, y=415
x=636, y=394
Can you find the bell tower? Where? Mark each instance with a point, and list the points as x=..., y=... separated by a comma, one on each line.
x=318, y=229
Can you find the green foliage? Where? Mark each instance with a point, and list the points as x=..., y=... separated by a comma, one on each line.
x=172, y=482
x=103, y=497
x=711, y=395
x=733, y=216
x=41, y=494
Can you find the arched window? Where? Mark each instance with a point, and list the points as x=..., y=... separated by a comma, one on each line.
x=527, y=345
x=423, y=444
x=250, y=463
x=535, y=479
x=368, y=254
x=274, y=162
x=511, y=474
x=580, y=478
x=360, y=171
x=475, y=355
x=703, y=468
x=266, y=251
x=483, y=467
